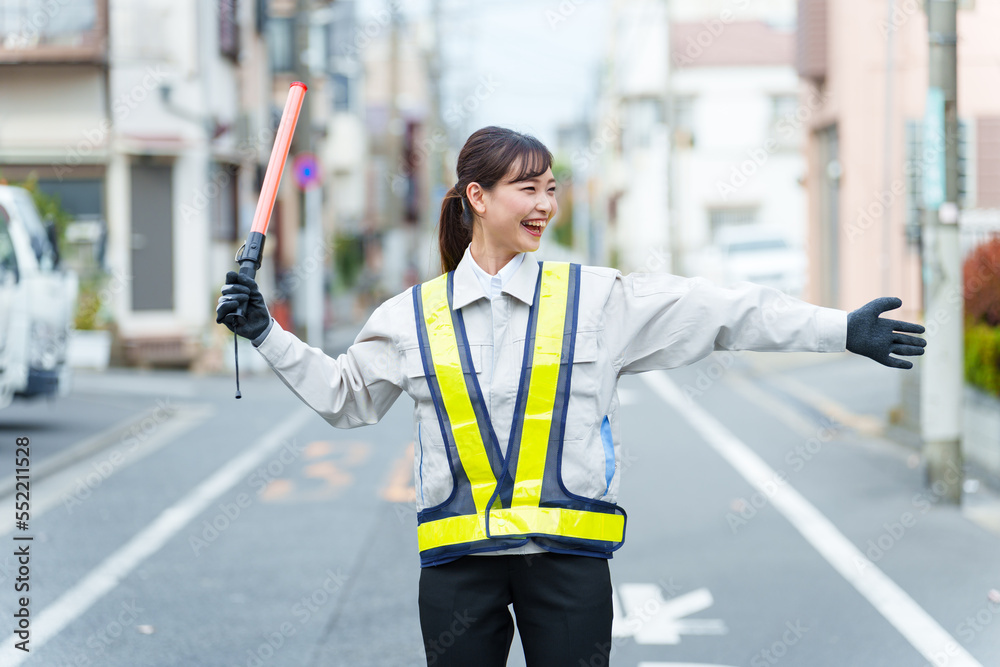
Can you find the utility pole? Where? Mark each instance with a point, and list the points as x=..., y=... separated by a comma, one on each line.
x=302, y=139
x=941, y=367
x=439, y=175
x=394, y=138
x=310, y=296
x=677, y=259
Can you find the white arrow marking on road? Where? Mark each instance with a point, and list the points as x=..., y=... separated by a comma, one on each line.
x=652, y=620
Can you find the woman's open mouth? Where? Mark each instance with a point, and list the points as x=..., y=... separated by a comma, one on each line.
x=534, y=227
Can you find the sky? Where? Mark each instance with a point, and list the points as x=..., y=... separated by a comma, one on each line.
x=534, y=64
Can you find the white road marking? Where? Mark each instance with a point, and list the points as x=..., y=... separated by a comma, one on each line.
x=679, y=664
x=652, y=620
x=106, y=576
x=909, y=618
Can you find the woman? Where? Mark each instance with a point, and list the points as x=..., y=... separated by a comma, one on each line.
x=513, y=367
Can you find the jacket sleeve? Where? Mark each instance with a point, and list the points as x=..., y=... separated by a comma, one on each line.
x=355, y=389
x=666, y=321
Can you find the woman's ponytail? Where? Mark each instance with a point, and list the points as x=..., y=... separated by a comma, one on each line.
x=454, y=232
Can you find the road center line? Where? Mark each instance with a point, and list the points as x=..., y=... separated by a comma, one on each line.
x=106, y=576
x=909, y=618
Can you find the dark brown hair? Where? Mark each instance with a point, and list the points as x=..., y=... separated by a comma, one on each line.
x=487, y=157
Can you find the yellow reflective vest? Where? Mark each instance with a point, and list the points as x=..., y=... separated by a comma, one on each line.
x=498, y=501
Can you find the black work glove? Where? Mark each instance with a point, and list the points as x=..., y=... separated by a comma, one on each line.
x=876, y=337
x=241, y=290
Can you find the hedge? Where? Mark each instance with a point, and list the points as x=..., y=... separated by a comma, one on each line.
x=982, y=357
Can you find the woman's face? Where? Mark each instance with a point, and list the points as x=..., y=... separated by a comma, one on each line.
x=513, y=216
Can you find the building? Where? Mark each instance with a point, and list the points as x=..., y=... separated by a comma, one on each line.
x=867, y=63
x=696, y=132
x=737, y=131
x=150, y=118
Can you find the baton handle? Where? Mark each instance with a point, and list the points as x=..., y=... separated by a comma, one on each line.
x=249, y=260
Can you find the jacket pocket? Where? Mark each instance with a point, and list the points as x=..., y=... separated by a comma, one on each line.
x=413, y=364
x=433, y=471
x=416, y=378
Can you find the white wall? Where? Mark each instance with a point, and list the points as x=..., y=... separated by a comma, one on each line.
x=741, y=157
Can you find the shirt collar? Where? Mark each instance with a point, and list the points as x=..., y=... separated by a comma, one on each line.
x=520, y=285
x=503, y=275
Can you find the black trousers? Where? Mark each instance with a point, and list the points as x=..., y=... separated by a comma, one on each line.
x=562, y=604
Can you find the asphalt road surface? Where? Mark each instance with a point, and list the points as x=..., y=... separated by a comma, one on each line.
x=770, y=522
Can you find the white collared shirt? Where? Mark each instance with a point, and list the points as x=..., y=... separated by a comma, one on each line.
x=493, y=285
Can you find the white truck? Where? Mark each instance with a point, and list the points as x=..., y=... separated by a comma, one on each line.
x=37, y=303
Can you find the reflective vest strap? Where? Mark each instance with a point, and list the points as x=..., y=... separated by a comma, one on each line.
x=548, y=345
x=454, y=394
x=451, y=530
x=522, y=521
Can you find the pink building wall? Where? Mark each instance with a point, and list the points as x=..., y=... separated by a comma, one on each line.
x=855, y=89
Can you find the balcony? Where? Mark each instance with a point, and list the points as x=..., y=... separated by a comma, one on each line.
x=53, y=32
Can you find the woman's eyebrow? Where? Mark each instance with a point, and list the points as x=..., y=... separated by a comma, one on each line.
x=536, y=178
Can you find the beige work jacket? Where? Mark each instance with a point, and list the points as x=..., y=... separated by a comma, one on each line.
x=627, y=324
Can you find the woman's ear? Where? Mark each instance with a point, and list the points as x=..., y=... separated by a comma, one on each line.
x=477, y=198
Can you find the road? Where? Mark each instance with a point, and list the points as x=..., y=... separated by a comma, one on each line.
x=770, y=521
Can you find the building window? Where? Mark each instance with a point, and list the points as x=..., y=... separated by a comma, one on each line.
x=340, y=91
x=260, y=16
x=785, y=127
x=225, y=212
x=281, y=43
x=730, y=216
x=642, y=116
x=682, y=107
x=783, y=106
x=27, y=23
x=229, y=29
x=342, y=41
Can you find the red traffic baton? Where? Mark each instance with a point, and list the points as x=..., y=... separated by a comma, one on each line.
x=250, y=253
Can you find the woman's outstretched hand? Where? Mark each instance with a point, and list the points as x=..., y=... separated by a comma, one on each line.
x=877, y=338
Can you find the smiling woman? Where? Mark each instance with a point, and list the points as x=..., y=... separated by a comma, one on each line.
x=513, y=365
